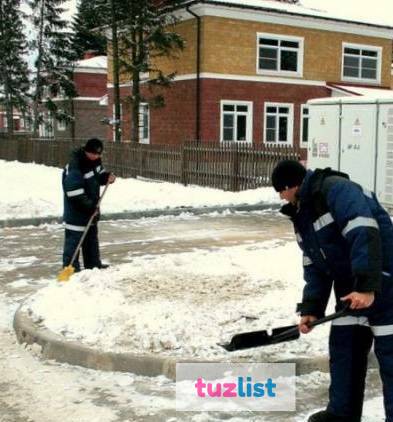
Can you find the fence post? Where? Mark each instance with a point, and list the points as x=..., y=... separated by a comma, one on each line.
x=235, y=168
x=183, y=158
x=140, y=150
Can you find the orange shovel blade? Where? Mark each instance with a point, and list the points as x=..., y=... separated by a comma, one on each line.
x=66, y=273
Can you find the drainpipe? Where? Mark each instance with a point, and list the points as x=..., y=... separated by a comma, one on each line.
x=198, y=77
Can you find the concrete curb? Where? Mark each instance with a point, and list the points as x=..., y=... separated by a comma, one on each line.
x=133, y=215
x=55, y=347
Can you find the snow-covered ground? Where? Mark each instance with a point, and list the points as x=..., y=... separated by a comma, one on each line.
x=34, y=190
x=184, y=303
x=167, y=302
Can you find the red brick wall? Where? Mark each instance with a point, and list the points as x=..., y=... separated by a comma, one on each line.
x=90, y=84
x=215, y=90
x=175, y=123
x=172, y=124
x=87, y=120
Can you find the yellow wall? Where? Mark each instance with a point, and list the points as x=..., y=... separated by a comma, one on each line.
x=229, y=46
x=183, y=61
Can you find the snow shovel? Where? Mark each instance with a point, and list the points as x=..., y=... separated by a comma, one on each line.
x=263, y=338
x=67, y=272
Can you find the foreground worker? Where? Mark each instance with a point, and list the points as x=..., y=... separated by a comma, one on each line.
x=82, y=178
x=347, y=242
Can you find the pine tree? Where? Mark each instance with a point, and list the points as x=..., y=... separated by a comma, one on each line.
x=147, y=32
x=14, y=80
x=55, y=59
x=87, y=25
x=112, y=14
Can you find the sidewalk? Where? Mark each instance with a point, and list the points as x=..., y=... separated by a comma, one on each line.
x=126, y=198
x=132, y=215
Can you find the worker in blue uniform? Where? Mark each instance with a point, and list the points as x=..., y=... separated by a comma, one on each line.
x=82, y=178
x=347, y=241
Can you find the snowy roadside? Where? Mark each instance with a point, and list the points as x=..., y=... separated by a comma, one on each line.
x=34, y=191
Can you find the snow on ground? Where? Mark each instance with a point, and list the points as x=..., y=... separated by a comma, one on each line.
x=176, y=304
x=35, y=191
x=182, y=304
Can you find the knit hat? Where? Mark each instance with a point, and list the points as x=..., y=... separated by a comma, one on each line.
x=94, y=145
x=287, y=174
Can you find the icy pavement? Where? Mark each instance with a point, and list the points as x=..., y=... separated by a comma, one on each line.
x=32, y=390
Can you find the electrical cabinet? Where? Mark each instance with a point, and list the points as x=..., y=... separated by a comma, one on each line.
x=354, y=135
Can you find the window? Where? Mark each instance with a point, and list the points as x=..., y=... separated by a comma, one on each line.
x=278, y=124
x=236, y=121
x=304, y=120
x=280, y=54
x=144, y=123
x=361, y=63
x=61, y=93
x=46, y=125
x=45, y=92
x=61, y=124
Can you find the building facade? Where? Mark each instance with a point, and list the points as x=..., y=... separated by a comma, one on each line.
x=21, y=121
x=255, y=66
x=89, y=107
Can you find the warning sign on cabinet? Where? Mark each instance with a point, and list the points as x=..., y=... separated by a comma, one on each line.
x=323, y=148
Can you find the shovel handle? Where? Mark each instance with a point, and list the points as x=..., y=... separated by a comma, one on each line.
x=88, y=225
x=330, y=317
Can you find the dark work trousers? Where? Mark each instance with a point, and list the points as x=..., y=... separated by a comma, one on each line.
x=90, y=248
x=350, y=341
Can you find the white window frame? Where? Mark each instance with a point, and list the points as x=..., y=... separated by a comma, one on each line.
x=362, y=47
x=289, y=141
x=302, y=117
x=61, y=125
x=45, y=92
x=300, y=55
x=143, y=140
x=50, y=128
x=61, y=93
x=46, y=127
x=248, y=115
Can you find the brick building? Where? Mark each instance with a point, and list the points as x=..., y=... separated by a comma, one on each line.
x=255, y=67
x=21, y=121
x=89, y=107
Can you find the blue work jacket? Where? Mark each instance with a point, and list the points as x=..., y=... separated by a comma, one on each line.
x=81, y=181
x=346, y=237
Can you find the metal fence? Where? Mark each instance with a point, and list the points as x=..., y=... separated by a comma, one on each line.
x=229, y=166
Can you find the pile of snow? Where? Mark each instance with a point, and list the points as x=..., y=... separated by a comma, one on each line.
x=182, y=304
x=35, y=191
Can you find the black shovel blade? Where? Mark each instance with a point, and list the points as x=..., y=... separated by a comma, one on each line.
x=261, y=338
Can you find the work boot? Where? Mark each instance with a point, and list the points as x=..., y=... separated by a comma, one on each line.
x=103, y=266
x=325, y=416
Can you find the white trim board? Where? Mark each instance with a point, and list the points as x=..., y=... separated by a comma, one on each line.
x=290, y=19
x=97, y=70
x=224, y=76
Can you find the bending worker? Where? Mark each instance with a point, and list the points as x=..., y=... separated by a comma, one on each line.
x=347, y=243
x=82, y=178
